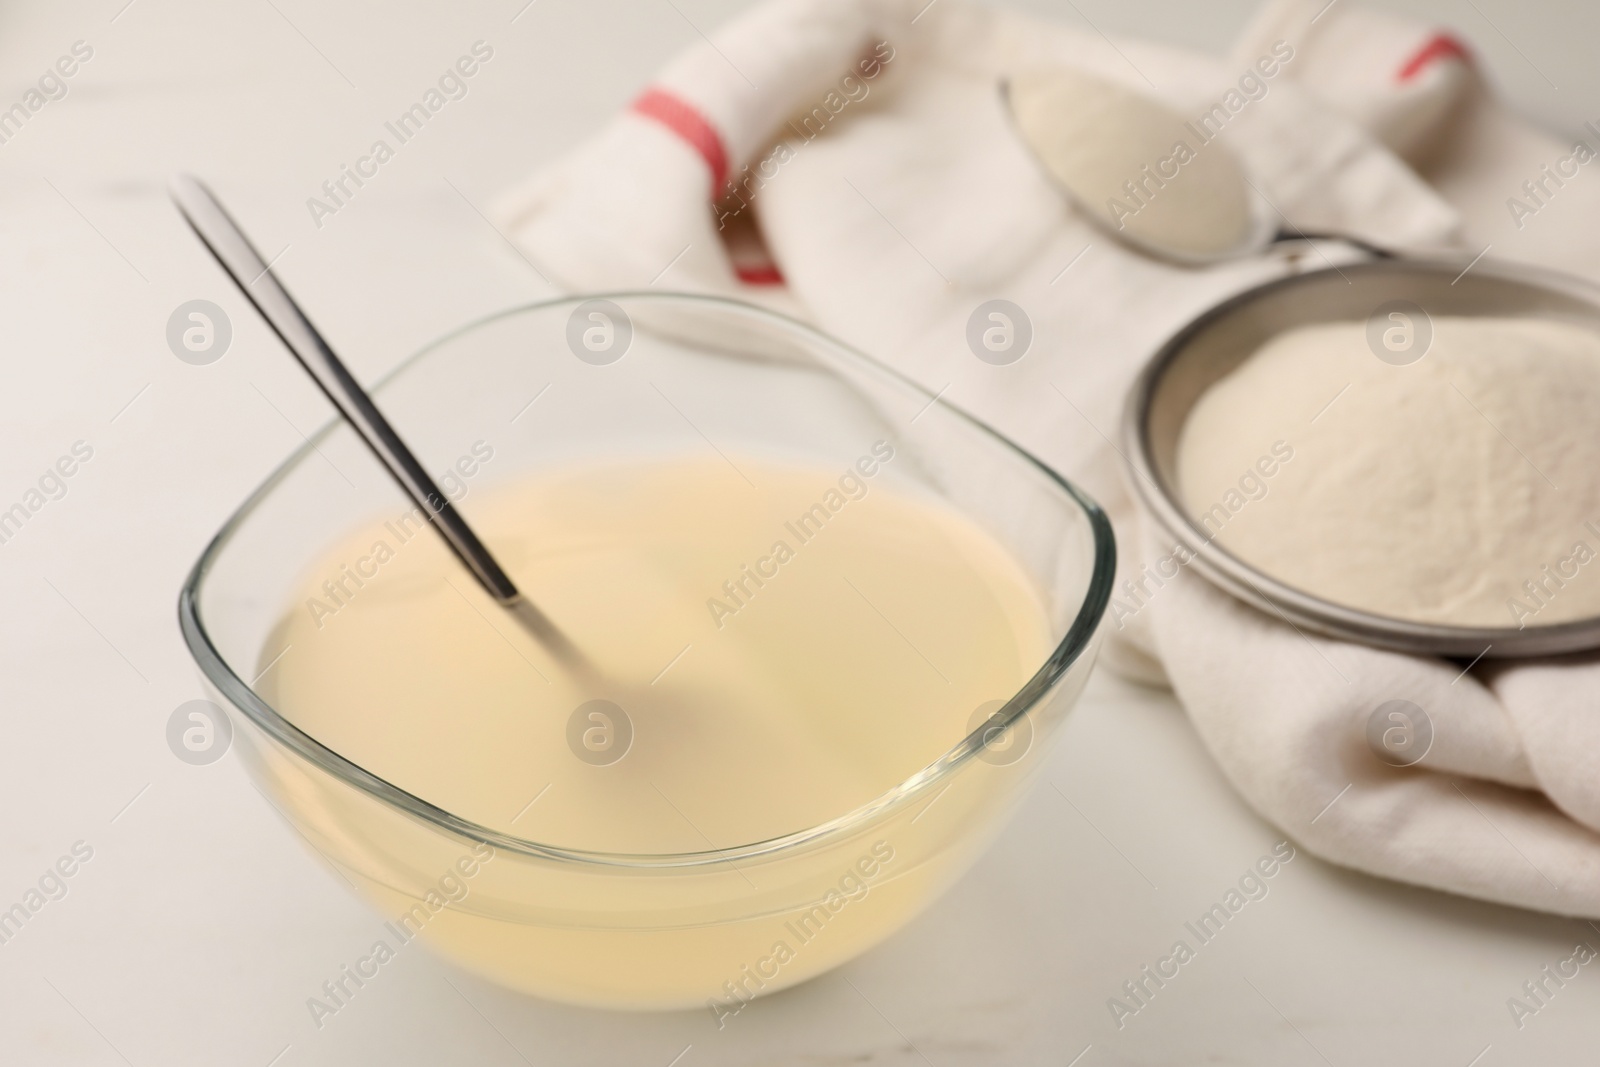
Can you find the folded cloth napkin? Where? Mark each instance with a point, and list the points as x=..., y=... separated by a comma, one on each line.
x=851, y=163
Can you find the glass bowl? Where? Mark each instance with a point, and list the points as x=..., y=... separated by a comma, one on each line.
x=632, y=375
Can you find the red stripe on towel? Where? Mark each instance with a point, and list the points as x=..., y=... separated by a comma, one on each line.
x=685, y=121
x=1440, y=46
x=759, y=274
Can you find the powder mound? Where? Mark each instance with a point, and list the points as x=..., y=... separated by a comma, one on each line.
x=1461, y=489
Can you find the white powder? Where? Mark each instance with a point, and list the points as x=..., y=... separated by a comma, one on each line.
x=1095, y=137
x=1462, y=489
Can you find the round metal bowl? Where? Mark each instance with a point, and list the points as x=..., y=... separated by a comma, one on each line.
x=1220, y=339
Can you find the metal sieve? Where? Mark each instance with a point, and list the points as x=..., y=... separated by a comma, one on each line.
x=1216, y=342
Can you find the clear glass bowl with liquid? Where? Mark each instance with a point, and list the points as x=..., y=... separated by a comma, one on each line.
x=690, y=919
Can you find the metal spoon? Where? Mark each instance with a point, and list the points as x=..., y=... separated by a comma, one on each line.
x=239, y=258
x=1144, y=176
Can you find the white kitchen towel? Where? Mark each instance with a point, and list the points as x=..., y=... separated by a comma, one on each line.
x=851, y=163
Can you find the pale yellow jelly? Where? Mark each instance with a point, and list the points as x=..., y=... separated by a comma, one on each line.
x=784, y=643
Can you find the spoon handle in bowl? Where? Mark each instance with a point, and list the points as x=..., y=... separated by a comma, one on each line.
x=233, y=250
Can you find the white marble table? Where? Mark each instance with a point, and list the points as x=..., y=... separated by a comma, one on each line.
x=200, y=925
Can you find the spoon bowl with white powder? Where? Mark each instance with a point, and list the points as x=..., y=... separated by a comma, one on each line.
x=1141, y=173
x=1396, y=453
x=1108, y=146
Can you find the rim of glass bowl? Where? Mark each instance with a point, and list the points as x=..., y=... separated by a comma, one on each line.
x=238, y=691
